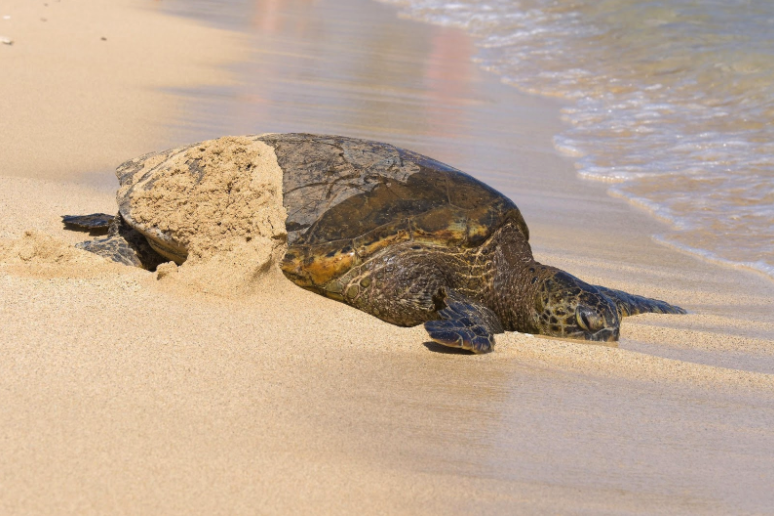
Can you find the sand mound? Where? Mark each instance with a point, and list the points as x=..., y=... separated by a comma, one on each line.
x=40, y=255
x=239, y=271
x=36, y=248
x=221, y=202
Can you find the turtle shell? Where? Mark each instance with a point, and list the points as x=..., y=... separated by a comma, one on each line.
x=348, y=199
x=204, y=198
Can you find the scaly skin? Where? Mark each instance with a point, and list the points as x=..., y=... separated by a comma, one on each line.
x=401, y=285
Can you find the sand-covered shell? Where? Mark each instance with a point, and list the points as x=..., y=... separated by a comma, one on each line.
x=204, y=198
x=344, y=200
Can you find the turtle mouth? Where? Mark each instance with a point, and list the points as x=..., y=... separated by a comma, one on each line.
x=604, y=335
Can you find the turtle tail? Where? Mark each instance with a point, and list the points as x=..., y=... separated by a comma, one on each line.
x=631, y=304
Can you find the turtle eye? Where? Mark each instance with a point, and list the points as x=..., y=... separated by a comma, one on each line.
x=588, y=319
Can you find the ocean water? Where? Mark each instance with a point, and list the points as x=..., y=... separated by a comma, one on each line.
x=671, y=101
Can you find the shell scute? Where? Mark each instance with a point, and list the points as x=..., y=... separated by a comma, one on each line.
x=381, y=237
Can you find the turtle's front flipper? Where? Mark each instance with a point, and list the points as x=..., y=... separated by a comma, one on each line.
x=464, y=323
x=630, y=304
x=94, y=222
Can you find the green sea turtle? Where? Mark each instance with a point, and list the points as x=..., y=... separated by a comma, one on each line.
x=393, y=233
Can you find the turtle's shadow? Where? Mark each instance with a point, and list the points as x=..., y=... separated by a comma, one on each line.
x=440, y=348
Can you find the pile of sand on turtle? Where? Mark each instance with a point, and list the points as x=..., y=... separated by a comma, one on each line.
x=226, y=209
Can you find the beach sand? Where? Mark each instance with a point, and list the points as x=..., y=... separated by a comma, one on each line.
x=125, y=393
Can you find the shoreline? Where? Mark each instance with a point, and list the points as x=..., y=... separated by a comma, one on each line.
x=127, y=391
x=535, y=54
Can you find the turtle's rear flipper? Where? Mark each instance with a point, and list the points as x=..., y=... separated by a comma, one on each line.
x=96, y=222
x=464, y=323
x=630, y=304
x=114, y=248
x=123, y=244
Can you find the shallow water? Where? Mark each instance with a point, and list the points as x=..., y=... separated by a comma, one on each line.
x=671, y=100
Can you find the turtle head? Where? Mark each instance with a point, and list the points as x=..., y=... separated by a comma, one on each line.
x=568, y=307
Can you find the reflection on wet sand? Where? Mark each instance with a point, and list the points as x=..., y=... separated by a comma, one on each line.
x=330, y=67
x=270, y=17
x=353, y=68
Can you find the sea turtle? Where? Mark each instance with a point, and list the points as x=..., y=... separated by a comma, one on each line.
x=395, y=234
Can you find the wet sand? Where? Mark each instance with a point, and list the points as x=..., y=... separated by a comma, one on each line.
x=124, y=393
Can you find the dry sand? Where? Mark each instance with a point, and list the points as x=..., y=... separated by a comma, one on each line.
x=124, y=393
x=83, y=82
